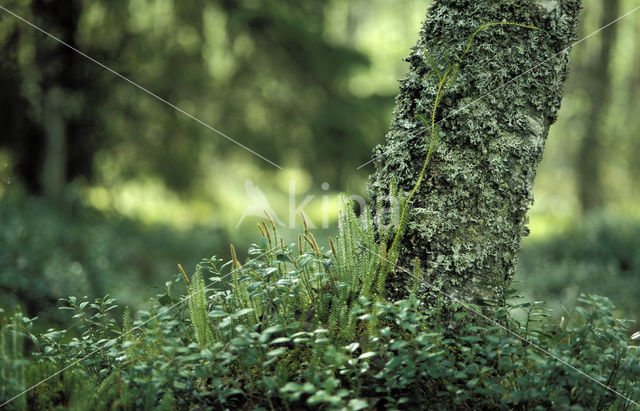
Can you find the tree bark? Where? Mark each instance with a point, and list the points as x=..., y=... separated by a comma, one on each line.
x=467, y=218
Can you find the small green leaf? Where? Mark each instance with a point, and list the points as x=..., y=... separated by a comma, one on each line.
x=225, y=323
x=352, y=347
x=284, y=258
x=280, y=340
x=242, y=312
x=217, y=314
x=277, y=352
x=266, y=334
x=179, y=385
x=357, y=404
x=367, y=355
x=290, y=387
x=165, y=300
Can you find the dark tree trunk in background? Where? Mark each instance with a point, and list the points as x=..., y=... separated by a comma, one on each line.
x=466, y=221
x=590, y=185
x=49, y=123
x=57, y=81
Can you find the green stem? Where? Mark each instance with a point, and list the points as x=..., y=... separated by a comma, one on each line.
x=426, y=161
x=432, y=126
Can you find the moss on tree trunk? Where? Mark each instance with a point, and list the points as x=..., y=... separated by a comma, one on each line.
x=466, y=220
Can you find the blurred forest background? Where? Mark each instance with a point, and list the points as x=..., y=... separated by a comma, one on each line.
x=103, y=189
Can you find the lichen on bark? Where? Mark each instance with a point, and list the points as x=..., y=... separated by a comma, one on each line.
x=466, y=221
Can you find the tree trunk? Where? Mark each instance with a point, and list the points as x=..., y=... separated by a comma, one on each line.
x=57, y=84
x=590, y=186
x=466, y=219
x=51, y=97
x=53, y=176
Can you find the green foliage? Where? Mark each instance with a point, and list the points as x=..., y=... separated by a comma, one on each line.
x=600, y=255
x=48, y=253
x=289, y=78
x=297, y=326
x=12, y=362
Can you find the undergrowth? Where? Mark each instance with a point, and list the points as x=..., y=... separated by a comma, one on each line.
x=47, y=253
x=304, y=326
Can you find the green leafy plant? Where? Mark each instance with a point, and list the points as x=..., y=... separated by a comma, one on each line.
x=304, y=326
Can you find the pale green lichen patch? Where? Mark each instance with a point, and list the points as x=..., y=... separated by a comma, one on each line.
x=549, y=5
x=466, y=220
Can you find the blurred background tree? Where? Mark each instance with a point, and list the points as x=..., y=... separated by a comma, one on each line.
x=46, y=110
x=104, y=188
x=598, y=75
x=264, y=72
